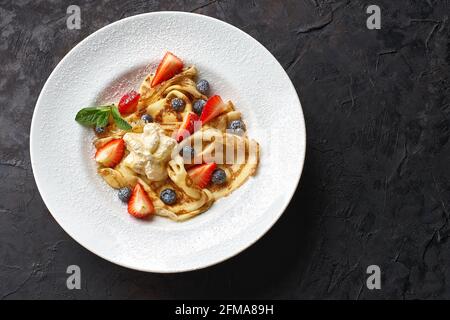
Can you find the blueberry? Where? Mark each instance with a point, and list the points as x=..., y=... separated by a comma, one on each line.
x=124, y=194
x=237, y=127
x=238, y=131
x=203, y=86
x=99, y=129
x=187, y=151
x=147, y=118
x=236, y=124
x=168, y=196
x=219, y=176
x=177, y=104
x=198, y=106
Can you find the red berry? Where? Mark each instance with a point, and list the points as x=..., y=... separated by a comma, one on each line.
x=201, y=174
x=140, y=204
x=187, y=127
x=128, y=103
x=111, y=153
x=169, y=66
x=213, y=107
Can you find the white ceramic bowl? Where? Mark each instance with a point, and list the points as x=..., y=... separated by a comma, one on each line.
x=115, y=59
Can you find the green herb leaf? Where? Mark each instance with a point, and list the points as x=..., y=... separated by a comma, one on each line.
x=99, y=116
x=93, y=116
x=121, y=123
x=103, y=119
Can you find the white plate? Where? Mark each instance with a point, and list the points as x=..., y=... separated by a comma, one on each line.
x=115, y=59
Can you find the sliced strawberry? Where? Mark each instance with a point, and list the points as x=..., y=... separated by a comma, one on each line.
x=169, y=66
x=201, y=174
x=140, y=205
x=213, y=107
x=129, y=102
x=111, y=153
x=187, y=127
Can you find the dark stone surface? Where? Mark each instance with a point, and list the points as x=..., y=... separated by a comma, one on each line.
x=376, y=183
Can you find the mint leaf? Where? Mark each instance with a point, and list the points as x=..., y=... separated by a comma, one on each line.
x=93, y=116
x=99, y=116
x=121, y=123
x=103, y=118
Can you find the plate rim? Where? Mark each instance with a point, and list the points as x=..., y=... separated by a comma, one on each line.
x=245, y=246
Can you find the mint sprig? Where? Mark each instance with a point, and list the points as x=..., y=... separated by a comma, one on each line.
x=121, y=123
x=99, y=116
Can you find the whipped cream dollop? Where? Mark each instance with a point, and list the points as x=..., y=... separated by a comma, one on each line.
x=150, y=151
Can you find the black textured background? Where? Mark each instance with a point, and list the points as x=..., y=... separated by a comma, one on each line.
x=376, y=183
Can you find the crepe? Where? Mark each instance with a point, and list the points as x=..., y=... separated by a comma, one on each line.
x=237, y=155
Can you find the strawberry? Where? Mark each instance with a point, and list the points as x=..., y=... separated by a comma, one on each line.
x=213, y=107
x=140, y=205
x=187, y=127
x=129, y=102
x=169, y=66
x=111, y=153
x=201, y=174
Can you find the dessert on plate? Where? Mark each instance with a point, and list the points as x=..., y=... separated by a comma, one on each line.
x=171, y=148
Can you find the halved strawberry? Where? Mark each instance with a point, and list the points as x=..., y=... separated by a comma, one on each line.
x=111, y=153
x=140, y=205
x=187, y=127
x=213, y=107
x=201, y=174
x=169, y=66
x=129, y=102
